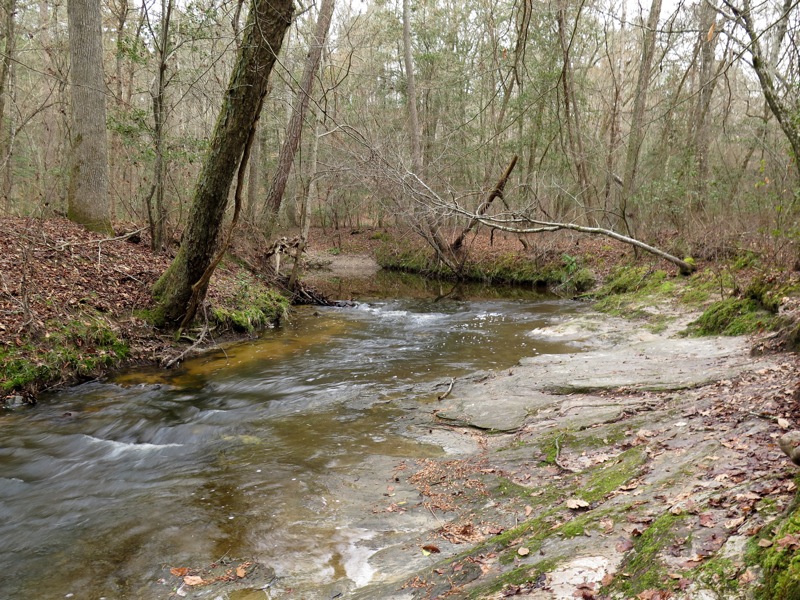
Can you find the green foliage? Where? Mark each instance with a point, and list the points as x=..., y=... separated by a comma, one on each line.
x=642, y=564
x=733, y=316
x=77, y=349
x=252, y=307
x=781, y=560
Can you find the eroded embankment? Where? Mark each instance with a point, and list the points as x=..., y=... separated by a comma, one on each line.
x=644, y=467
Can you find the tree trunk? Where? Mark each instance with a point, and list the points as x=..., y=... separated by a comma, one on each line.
x=294, y=130
x=571, y=116
x=254, y=176
x=702, y=125
x=411, y=92
x=636, y=135
x=10, y=34
x=157, y=213
x=88, y=178
x=266, y=26
x=783, y=113
x=425, y=222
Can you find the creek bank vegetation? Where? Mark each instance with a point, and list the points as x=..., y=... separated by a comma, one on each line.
x=76, y=305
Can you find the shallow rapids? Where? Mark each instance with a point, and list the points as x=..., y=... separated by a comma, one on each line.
x=275, y=450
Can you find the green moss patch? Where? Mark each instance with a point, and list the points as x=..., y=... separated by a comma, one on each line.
x=643, y=567
x=781, y=560
x=78, y=349
x=609, y=476
x=252, y=306
x=565, y=275
x=734, y=316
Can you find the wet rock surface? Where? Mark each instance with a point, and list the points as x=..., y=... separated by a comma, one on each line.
x=641, y=468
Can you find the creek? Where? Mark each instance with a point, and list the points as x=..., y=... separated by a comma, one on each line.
x=276, y=449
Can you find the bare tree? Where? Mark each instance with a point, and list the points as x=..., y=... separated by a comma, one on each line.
x=294, y=130
x=637, y=129
x=779, y=94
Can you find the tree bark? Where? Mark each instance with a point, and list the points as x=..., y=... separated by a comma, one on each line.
x=88, y=179
x=636, y=135
x=10, y=35
x=294, y=130
x=157, y=213
x=785, y=116
x=263, y=36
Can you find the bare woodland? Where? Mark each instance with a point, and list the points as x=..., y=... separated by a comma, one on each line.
x=676, y=124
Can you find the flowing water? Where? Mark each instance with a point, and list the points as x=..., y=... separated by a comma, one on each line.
x=275, y=449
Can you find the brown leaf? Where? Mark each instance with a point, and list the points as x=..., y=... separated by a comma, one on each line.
x=431, y=548
x=764, y=543
x=241, y=571
x=624, y=545
x=523, y=551
x=528, y=510
x=179, y=571
x=791, y=541
x=576, y=503
x=706, y=520
x=734, y=523
x=747, y=577
x=607, y=525
x=193, y=580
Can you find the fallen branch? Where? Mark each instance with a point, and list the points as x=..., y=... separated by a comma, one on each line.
x=449, y=389
x=542, y=226
x=497, y=192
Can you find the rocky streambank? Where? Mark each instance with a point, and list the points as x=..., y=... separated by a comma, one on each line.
x=642, y=466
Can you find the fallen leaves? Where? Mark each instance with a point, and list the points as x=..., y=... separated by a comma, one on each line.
x=194, y=580
x=211, y=574
x=576, y=503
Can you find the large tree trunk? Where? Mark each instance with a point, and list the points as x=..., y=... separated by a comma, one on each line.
x=289, y=148
x=88, y=178
x=266, y=26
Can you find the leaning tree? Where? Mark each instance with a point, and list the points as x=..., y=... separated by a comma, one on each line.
x=183, y=286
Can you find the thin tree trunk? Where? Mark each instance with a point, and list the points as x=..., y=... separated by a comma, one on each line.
x=571, y=118
x=9, y=34
x=411, y=92
x=157, y=213
x=254, y=175
x=708, y=39
x=636, y=135
x=305, y=210
x=425, y=220
x=294, y=130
